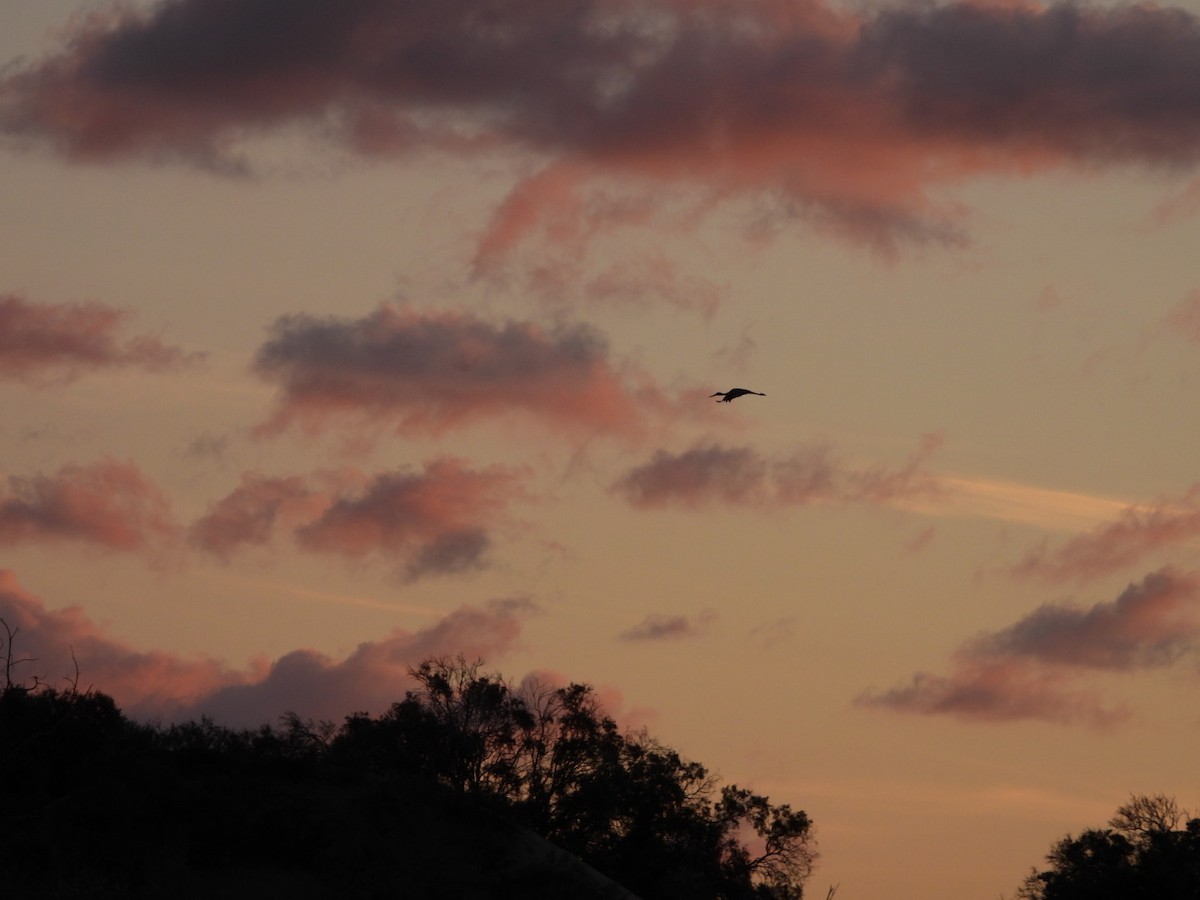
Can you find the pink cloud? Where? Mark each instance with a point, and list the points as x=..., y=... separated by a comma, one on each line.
x=740, y=476
x=1182, y=205
x=369, y=679
x=1028, y=670
x=921, y=540
x=1137, y=532
x=160, y=685
x=430, y=372
x=559, y=277
x=632, y=281
x=58, y=641
x=435, y=521
x=659, y=627
x=1185, y=317
x=249, y=514
x=849, y=118
x=884, y=484
x=109, y=504
x=54, y=343
x=702, y=475
x=997, y=691
x=1151, y=624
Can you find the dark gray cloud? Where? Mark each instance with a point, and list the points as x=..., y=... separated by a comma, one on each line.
x=1031, y=669
x=428, y=372
x=450, y=553
x=659, y=627
x=741, y=476
x=1149, y=625
x=849, y=117
x=701, y=474
x=1117, y=82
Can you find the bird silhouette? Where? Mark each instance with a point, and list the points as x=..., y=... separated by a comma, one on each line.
x=732, y=394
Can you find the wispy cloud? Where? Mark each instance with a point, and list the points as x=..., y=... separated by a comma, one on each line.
x=150, y=684
x=430, y=372
x=849, y=117
x=772, y=634
x=108, y=504
x=660, y=627
x=1031, y=670
x=1026, y=504
x=632, y=281
x=43, y=343
x=713, y=473
x=435, y=521
x=1135, y=532
x=1184, y=319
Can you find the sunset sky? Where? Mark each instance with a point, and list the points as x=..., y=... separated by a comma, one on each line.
x=337, y=335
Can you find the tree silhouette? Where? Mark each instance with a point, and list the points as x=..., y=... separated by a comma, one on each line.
x=1144, y=854
x=634, y=809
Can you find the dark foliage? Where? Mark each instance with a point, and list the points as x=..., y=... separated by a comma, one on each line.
x=1150, y=851
x=632, y=808
x=444, y=795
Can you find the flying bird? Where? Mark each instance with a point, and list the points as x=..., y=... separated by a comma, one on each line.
x=733, y=393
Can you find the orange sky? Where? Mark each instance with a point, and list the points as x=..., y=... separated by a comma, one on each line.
x=337, y=336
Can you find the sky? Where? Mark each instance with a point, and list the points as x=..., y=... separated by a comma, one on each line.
x=338, y=336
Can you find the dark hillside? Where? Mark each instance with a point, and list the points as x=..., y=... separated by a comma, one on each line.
x=100, y=807
x=462, y=790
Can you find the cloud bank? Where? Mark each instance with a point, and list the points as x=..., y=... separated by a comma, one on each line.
x=845, y=118
x=1029, y=670
x=150, y=685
